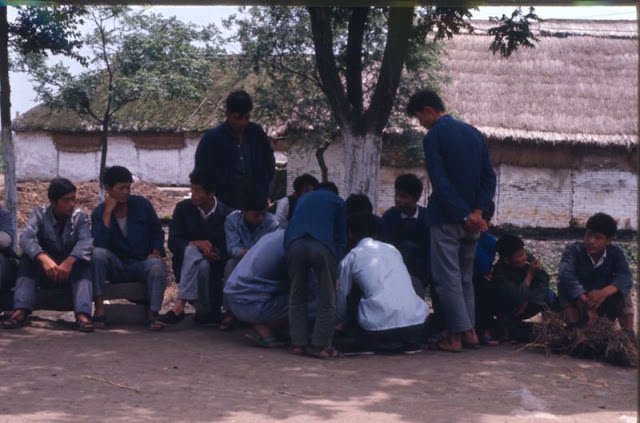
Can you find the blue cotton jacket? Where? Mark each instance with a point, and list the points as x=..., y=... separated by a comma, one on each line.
x=321, y=215
x=460, y=171
x=144, y=231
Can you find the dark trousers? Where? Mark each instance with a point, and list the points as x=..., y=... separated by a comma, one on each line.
x=303, y=255
x=486, y=303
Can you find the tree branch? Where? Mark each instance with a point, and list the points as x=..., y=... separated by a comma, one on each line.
x=395, y=54
x=353, y=75
x=326, y=63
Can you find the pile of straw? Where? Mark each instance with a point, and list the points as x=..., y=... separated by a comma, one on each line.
x=602, y=340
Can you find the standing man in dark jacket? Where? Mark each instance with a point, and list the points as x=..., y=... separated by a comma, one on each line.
x=197, y=241
x=463, y=184
x=236, y=154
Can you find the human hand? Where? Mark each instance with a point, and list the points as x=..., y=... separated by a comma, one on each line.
x=48, y=265
x=214, y=255
x=203, y=245
x=475, y=223
x=595, y=299
x=534, y=266
x=154, y=254
x=110, y=203
x=64, y=269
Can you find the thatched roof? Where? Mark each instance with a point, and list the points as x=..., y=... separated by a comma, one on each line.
x=578, y=86
x=578, y=89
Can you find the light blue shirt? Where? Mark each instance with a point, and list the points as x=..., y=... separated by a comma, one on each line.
x=238, y=235
x=389, y=300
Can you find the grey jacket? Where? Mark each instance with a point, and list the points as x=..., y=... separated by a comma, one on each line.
x=41, y=235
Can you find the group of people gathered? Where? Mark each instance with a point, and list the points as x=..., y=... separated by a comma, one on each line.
x=320, y=274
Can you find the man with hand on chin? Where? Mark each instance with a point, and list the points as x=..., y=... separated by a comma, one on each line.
x=57, y=247
x=464, y=184
x=130, y=243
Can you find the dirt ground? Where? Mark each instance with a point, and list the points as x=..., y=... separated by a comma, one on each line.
x=51, y=373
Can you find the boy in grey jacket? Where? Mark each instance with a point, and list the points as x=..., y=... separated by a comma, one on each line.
x=57, y=247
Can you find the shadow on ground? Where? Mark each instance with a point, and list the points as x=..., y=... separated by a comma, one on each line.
x=202, y=374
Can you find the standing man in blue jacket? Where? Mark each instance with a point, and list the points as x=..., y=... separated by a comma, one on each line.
x=463, y=183
x=236, y=154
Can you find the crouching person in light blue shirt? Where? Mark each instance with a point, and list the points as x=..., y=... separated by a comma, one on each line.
x=57, y=247
x=376, y=302
x=257, y=291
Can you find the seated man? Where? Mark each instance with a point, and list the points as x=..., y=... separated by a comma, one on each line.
x=130, y=243
x=197, y=241
x=315, y=241
x=8, y=258
x=301, y=185
x=594, y=278
x=387, y=312
x=522, y=285
x=57, y=248
x=257, y=291
x=244, y=227
x=405, y=227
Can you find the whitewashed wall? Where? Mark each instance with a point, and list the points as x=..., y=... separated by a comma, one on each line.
x=526, y=196
x=37, y=158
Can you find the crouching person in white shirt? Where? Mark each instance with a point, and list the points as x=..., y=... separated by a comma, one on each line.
x=376, y=304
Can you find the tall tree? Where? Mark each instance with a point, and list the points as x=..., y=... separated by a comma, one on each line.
x=135, y=57
x=36, y=31
x=361, y=97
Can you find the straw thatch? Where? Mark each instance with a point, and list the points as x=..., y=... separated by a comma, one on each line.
x=574, y=89
x=600, y=340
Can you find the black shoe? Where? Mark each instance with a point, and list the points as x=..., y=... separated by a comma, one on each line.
x=171, y=318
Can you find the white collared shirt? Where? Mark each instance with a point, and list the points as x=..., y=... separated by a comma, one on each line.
x=388, y=298
x=212, y=211
x=598, y=263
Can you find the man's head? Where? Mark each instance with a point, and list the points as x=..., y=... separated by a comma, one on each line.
x=359, y=226
x=254, y=208
x=238, y=112
x=304, y=183
x=202, y=188
x=511, y=250
x=358, y=204
x=408, y=191
x=426, y=106
x=330, y=186
x=601, y=228
x=62, y=196
x=117, y=181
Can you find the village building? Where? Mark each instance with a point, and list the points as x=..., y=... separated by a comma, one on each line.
x=560, y=121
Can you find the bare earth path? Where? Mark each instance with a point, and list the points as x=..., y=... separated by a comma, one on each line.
x=50, y=373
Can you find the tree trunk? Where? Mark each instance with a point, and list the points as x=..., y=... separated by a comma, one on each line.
x=324, y=171
x=8, y=153
x=362, y=164
x=104, y=135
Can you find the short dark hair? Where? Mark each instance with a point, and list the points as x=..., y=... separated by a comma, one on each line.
x=362, y=225
x=422, y=99
x=508, y=244
x=409, y=184
x=302, y=181
x=239, y=102
x=59, y=187
x=328, y=186
x=200, y=177
x=602, y=223
x=358, y=204
x=254, y=200
x=488, y=213
x=116, y=174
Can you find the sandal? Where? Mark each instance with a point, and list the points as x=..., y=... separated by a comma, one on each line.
x=323, y=353
x=297, y=349
x=269, y=342
x=489, y=341
x=171, y=318
x=99, y=322
x=227, y=323
x=84, y=326
x=155, y=325
x=12, y=322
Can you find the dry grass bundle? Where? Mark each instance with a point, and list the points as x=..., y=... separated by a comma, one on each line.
x=599, y=341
